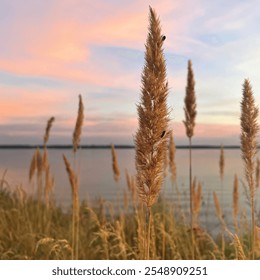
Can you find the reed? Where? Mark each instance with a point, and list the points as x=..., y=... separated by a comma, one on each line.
x=257, y=173
x=115, y=165
x=248, y=137
x=189, y=122
x=152, y=136
x=197, y=198
x=220, y=215
x=172, y=163
x=75, y=205
x=221, y=163
x=221, y=170
x=78, y=127
x=235, y=202
x=47, y=130
x=33, y=165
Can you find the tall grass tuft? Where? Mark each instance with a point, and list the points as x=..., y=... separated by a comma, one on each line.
x=249, y=130
x=189, y=122
x=152, y=136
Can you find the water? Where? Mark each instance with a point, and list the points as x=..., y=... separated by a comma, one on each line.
x=96, y=176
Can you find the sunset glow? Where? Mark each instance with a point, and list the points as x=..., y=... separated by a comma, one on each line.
x=52, y=51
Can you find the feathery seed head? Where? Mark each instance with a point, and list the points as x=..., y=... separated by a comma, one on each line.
x=78, y=127
x=152, y=136
x=190, y=103
x=47, y=130
x=248, y=137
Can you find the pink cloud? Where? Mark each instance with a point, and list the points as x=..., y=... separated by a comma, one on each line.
x=18, y=103
x=59, y=44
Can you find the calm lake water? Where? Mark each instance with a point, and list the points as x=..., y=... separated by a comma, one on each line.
x=96, y=176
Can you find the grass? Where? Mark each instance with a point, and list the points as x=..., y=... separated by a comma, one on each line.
x=146, y=226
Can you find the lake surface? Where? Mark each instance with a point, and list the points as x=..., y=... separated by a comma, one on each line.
x=96, y=176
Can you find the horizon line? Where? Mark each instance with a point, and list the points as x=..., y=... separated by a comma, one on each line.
x=108, y=146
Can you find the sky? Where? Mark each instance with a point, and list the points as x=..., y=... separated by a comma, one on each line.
x=51, y=51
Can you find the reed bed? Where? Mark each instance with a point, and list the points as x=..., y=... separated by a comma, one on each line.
x=145, y=225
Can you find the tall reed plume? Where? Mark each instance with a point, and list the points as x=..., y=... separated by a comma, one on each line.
x=151, y=137
x=249, y=130
x=189, y=122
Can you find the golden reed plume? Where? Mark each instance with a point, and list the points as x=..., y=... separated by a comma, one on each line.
x=151, y=137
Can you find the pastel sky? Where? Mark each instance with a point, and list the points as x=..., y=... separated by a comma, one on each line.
x=51, y=51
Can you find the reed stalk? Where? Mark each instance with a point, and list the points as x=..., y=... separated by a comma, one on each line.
x=248, y=137
x=172, y=163
x=257, y=173
x=49, y=180
x=74, y=181
x=189, y=122
x=235, y=202
x=75, y=203
x=152, y=135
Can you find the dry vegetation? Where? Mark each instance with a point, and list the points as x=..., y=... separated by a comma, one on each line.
x=32, y=226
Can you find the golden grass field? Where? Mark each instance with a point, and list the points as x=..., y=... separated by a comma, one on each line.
x=147, y=226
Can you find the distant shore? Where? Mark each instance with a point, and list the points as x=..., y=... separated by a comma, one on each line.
x=198, y=147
